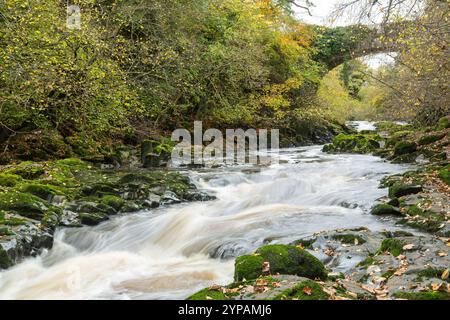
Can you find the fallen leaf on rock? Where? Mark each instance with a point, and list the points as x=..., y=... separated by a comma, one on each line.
x=307, y=291
x=436, y=286
x=445, y=274
x=408, y=246
x=368, y=289
x=400, y=271
x=261, y=282
x=352, y=294
x=276, y=284
x=329, y=252
x=401, y=257
x=250, y=289
x=442, y=254
x=266, y=266
x=215, y=287
x=356, y=242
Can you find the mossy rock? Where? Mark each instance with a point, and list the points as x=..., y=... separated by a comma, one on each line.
x=92, y=219
x=45, y=192
x=357, y=143
x=208, y=294
x=426, y=295
x=392, y=245
x=5, y=260
x=385, y=209
x=404, y=148
x=283, y=259
x=431, y=138
x=27, y=170
x=113, y=201
x=444, y=174
x=399, y=189
x=26, y=205
x=396, y=137
x=349, y=238
x=431, y=273
x=9, y=180
x=443, y=123
x=305, y=290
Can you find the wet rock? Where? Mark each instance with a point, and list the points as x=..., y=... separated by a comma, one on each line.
x=399, y=190
x=385, y=209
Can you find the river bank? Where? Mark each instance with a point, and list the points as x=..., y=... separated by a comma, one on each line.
x=173, y=251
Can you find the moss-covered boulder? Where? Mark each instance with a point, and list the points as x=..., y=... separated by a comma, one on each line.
x=279, y=259
x=385, y=209
x=9, y=180
x=399, y=189
x=26, y=205
x=430, y=138
x=443, y=123
x=356, y=143
x=404, y=147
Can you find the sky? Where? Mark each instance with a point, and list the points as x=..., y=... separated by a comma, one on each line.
x=321, y=15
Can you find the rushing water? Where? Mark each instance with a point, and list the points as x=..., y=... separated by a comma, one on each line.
x=172, y=252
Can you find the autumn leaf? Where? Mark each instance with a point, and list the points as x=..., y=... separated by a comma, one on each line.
x=445, y=274
x=266, y=266
x=307, y=291
x=408, y=246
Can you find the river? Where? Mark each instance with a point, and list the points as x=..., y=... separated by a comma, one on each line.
x=171, y=252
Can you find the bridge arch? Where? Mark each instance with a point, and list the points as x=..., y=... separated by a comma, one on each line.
x=334, y=46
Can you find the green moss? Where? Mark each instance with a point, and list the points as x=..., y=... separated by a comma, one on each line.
x=444, y=123
x=27, y=170
x=9, y=180
x=349, y=238
x=92, y=219
x=444, y=174
x=42, y=191
x=394, y=246
x=384, y=209
x=283, y=259
x=430, y=273
x=399, y=189
x=248, y=267
x=25, y=204
x=113, y=201
x=305, y=243
x=306, y=290
x=6, y=231
x=426, y=295
x=357, y=143
x=73, y=164
x=367, y=262
x=208, y=294
x=431, y=138
x=404, y=148
x=5, y=260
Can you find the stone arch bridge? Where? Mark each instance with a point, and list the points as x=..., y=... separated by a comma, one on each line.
x=334, y=46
